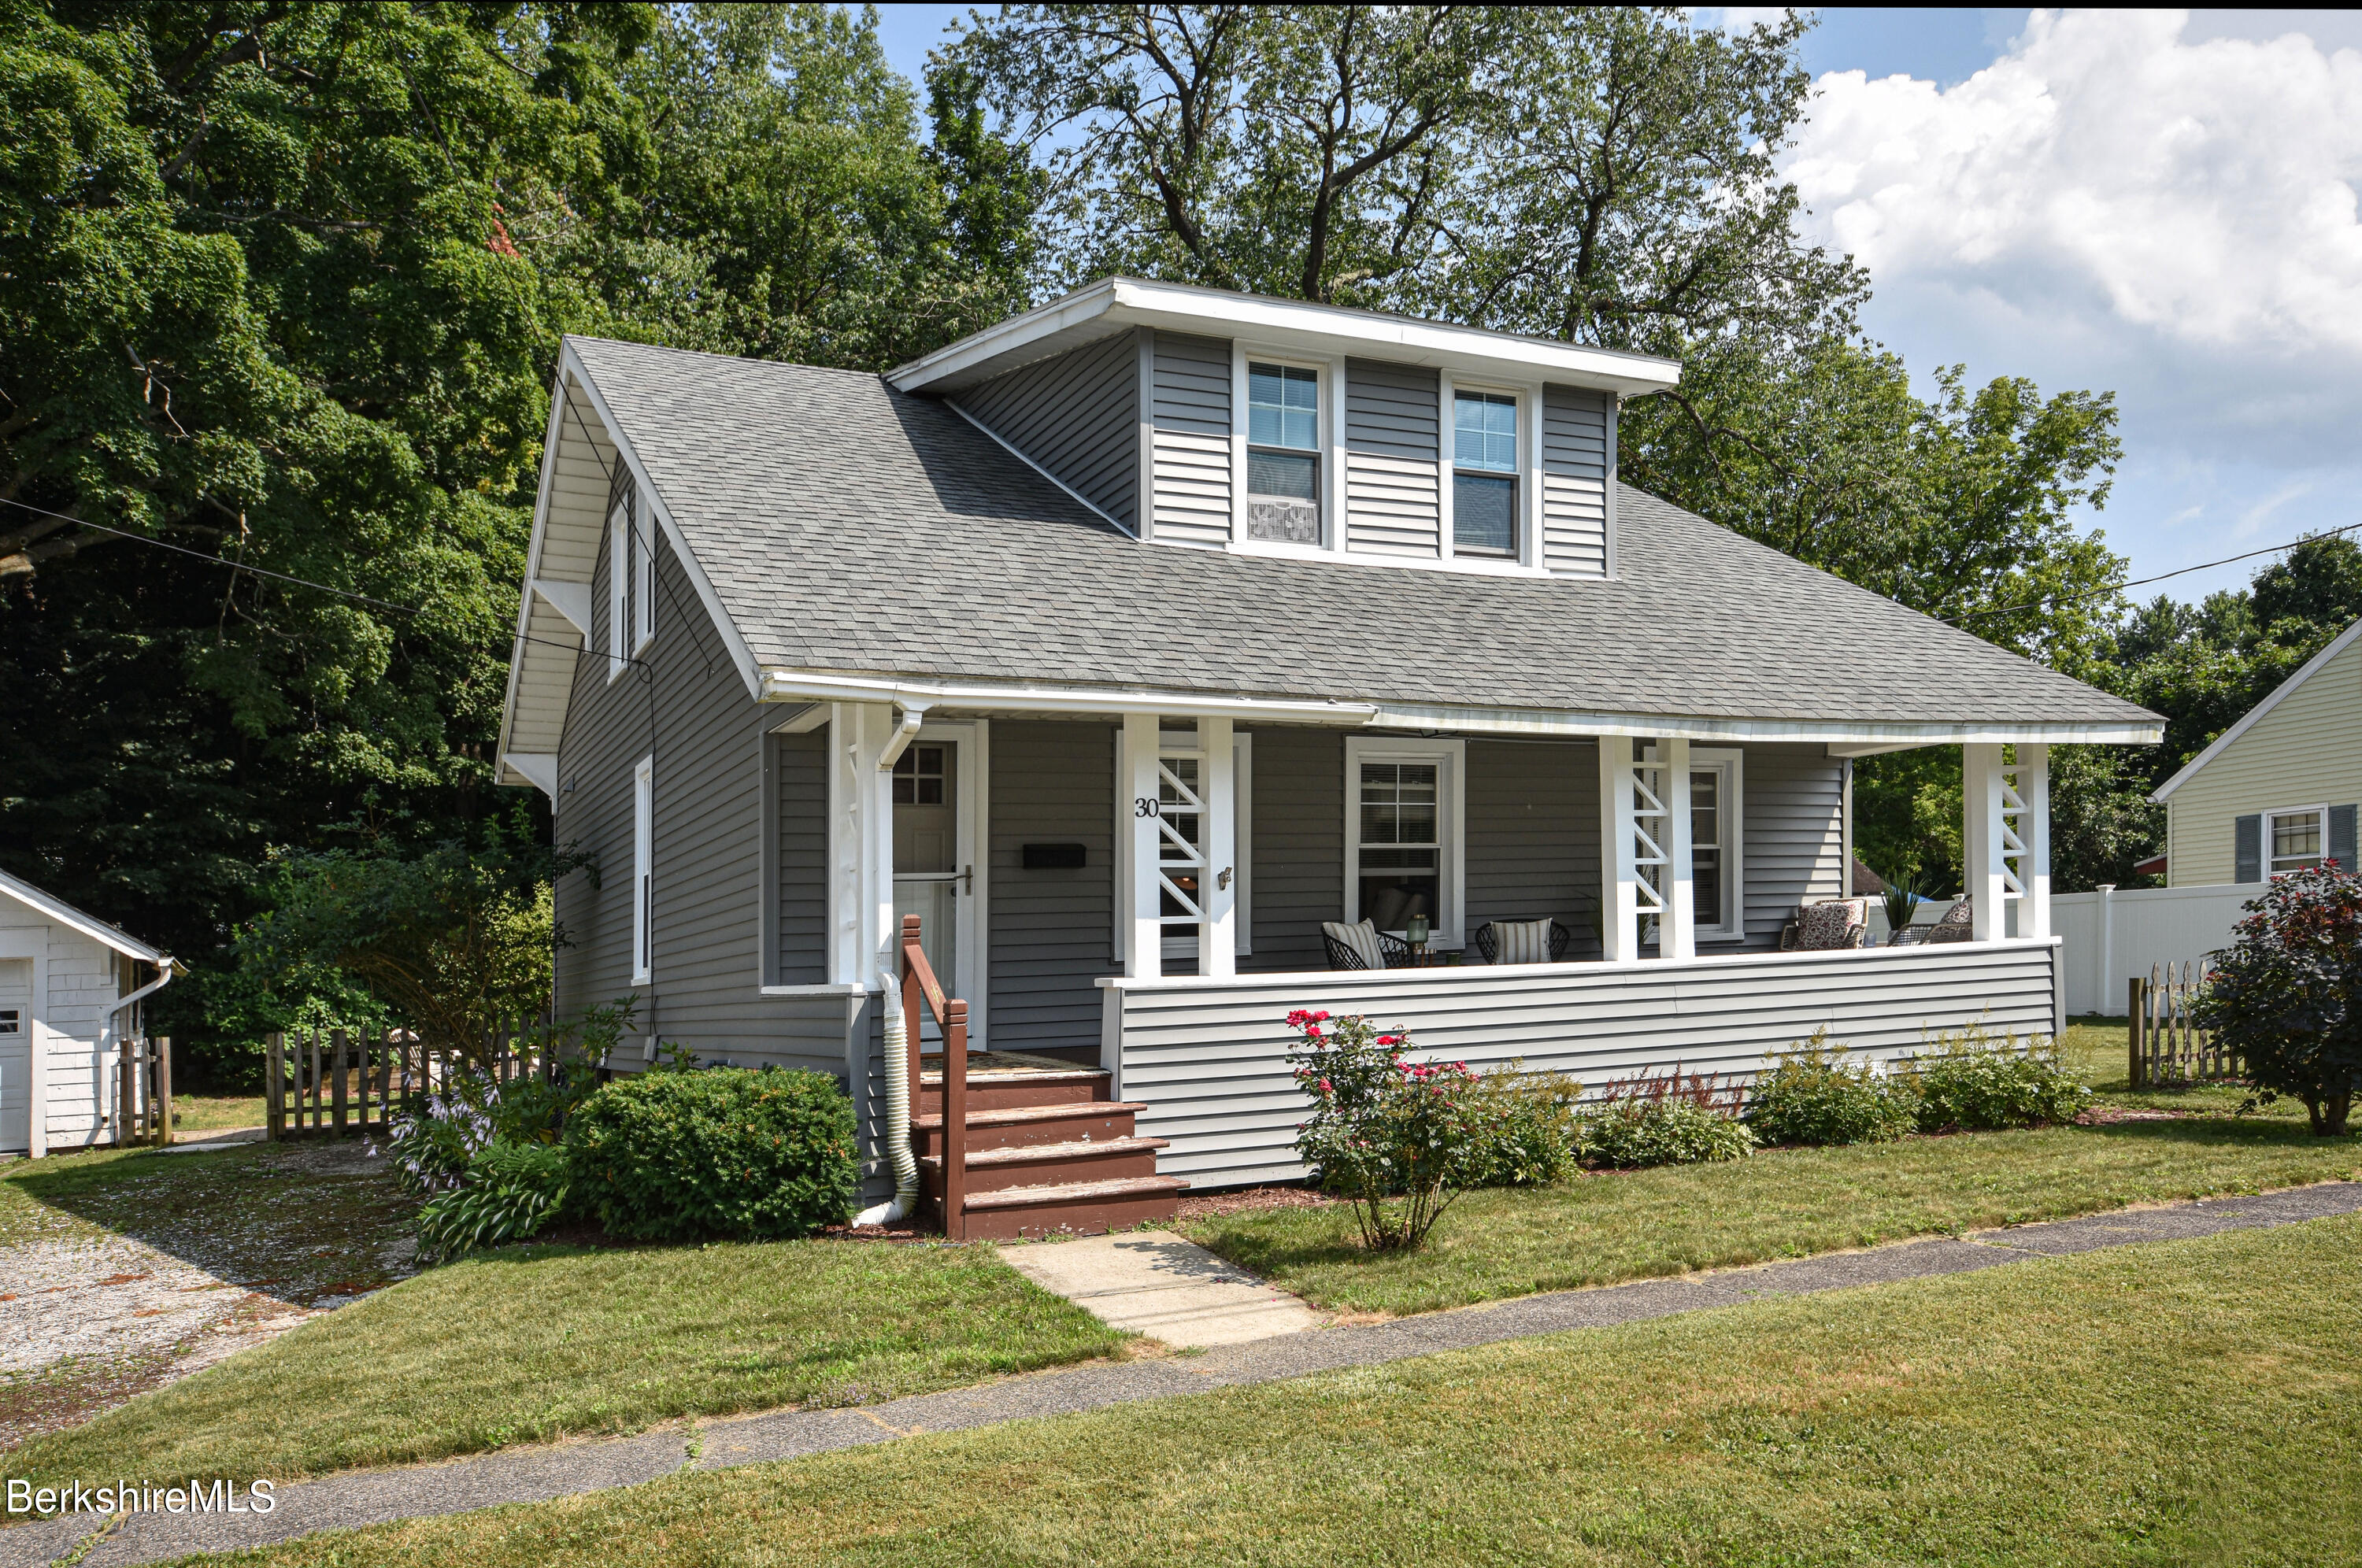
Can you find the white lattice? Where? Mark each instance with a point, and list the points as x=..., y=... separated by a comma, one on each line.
x=1651, y=827
x=2012, y=835
x=1179, y=802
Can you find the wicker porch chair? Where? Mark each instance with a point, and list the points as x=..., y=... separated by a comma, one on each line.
x=1819, y=927
x=1488, y=941
x=1394, y=953
x=1958, y=925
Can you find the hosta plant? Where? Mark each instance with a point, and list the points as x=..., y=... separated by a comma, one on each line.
x=512, y=1190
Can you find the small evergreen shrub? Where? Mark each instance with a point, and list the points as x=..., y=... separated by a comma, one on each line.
x=1815, y=1096
x=726, y=1152
x=1977, y=1083
x=1526, y=1127
x=1632, y=1131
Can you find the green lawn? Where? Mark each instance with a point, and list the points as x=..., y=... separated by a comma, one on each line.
x=214, y=1112
x=2094, y=1049
x=2194, y=1402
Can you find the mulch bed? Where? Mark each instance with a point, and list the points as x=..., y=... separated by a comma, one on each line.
x=1248, y=1200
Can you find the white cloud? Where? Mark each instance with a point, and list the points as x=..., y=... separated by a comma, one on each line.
x=2109, y=205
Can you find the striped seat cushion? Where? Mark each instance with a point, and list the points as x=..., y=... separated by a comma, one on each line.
x=1521, y=942
x=1362, y=938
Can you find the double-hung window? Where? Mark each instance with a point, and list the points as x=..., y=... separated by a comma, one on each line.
x=2294, y=839
x=1403, y=836
x=1283, y=453
x=643, y=871
x=1484, y=473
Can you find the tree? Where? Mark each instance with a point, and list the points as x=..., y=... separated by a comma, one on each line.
x=453, y=940
x=2287, y=994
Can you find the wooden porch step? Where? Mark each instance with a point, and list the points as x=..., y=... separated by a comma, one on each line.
x=1021, y=1125
x=1104, y=1159
x=1084, y=1206
x=1042, y=1153
x=1009, y=1090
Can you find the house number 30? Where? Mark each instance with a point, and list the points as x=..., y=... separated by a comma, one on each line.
x=1143, y=806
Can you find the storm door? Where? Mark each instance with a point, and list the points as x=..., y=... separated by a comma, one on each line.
x=934, y=862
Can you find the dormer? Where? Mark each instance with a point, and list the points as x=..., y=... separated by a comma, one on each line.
x=1202, y=418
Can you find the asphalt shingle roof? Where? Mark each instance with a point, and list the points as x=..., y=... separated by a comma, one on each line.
x=847, y=527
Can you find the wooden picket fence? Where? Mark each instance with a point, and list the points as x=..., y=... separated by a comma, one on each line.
x=143, y=1092
x=2168, y=1048
x=333, y=1081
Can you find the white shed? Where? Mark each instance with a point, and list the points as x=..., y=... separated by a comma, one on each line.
x=69, y=984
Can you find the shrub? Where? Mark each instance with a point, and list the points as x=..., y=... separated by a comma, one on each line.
x=1396, y=1137
x=1631, y=1132
x=1977, y=1083
x=1813, y=1095
x=1525, y=1128
x=512, y=1190
x=2287, y=994
x=727, y=1152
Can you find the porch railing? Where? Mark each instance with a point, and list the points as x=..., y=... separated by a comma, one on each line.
x=920, y=984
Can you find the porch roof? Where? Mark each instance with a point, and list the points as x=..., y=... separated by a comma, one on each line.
x=848, y=529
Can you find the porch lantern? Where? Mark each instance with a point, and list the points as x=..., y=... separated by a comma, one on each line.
x=1416, y=932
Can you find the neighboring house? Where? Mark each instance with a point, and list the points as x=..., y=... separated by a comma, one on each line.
x=69, y=986
x=1132, y=639
x=2277, y=789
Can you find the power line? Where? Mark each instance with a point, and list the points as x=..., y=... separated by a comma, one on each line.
x=264, y=571
x=2144, y=581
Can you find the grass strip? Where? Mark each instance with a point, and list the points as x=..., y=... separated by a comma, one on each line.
x=540, y=1343
x=2190, y=1402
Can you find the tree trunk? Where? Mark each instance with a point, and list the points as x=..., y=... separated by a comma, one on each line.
x=2329, y=1113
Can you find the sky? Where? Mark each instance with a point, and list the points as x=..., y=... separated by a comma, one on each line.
x=2159, y=203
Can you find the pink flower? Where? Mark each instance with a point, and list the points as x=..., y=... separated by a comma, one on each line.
x=1325, y=1089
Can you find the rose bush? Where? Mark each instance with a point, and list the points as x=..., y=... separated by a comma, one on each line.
x=1399, y=1138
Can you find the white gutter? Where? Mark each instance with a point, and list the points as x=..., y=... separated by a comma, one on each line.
x=162, y=980
x=790, y=686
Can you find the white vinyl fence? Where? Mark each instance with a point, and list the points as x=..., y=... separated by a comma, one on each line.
x=2112, y=937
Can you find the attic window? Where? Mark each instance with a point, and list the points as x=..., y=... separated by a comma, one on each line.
x=1283, y=453
x=1484, y=473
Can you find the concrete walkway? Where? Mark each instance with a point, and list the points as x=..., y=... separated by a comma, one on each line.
x=529, y=1475
x=1153, y=1283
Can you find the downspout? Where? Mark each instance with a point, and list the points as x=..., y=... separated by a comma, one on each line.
x=162, y=980
x=897, y=1114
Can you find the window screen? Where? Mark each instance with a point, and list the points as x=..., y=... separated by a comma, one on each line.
x=1484, y=465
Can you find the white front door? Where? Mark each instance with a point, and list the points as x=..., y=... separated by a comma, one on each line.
x=15, y=1052
x=935, y=852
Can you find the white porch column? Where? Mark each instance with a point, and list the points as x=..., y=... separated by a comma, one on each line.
x=861, y=844
x=1620, y=899
x=1677, y=927
x=1983, y=873
x=1143, y=953
x=2034, y=829
x=1218, y=893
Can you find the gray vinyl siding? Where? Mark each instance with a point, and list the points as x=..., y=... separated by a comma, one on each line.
x=800, y=770
x=1391, y=456
x=1793, y=812
x=1299, y=845
x=1190, y=439
x=1532, y=837
x=690, y=711
x=1051, y=783
x=1077, y=415
x=1209, y=1058
x=1575, y=430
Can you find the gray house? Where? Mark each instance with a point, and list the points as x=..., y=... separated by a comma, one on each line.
x=1136, y=640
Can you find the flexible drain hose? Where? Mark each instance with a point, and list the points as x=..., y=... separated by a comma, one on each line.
x=898, y=1116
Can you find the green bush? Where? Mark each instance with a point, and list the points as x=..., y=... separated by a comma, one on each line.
x=1813, y=1095
x=1526, y=1126
x=512, y=1190
x=1662, y=1132
x=1393, y=1135
x=1977, y=1083
x=726, y=1152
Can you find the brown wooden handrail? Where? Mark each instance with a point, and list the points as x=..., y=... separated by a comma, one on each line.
x=919, y=983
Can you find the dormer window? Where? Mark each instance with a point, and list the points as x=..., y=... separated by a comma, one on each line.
x=1283, y=454
x=1484, y=474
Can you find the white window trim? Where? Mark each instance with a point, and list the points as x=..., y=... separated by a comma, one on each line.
x=1329, y=421
x=642, y=870
x=1451, y=826
x=2272, y=816
x=1243, y=850
x=1527, y=558
x=644, y=585
x=1734, y=853
x=619, y=594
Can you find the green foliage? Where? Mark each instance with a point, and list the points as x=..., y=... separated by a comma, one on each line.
x=1815, y=1096
x=1630, y=1133
x=1526, y=1128
x=1977, y=1083
x=511, y=1191
x=675, y=1156
x=2287, y=994
x=454, y=940
x=1397, y=1138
